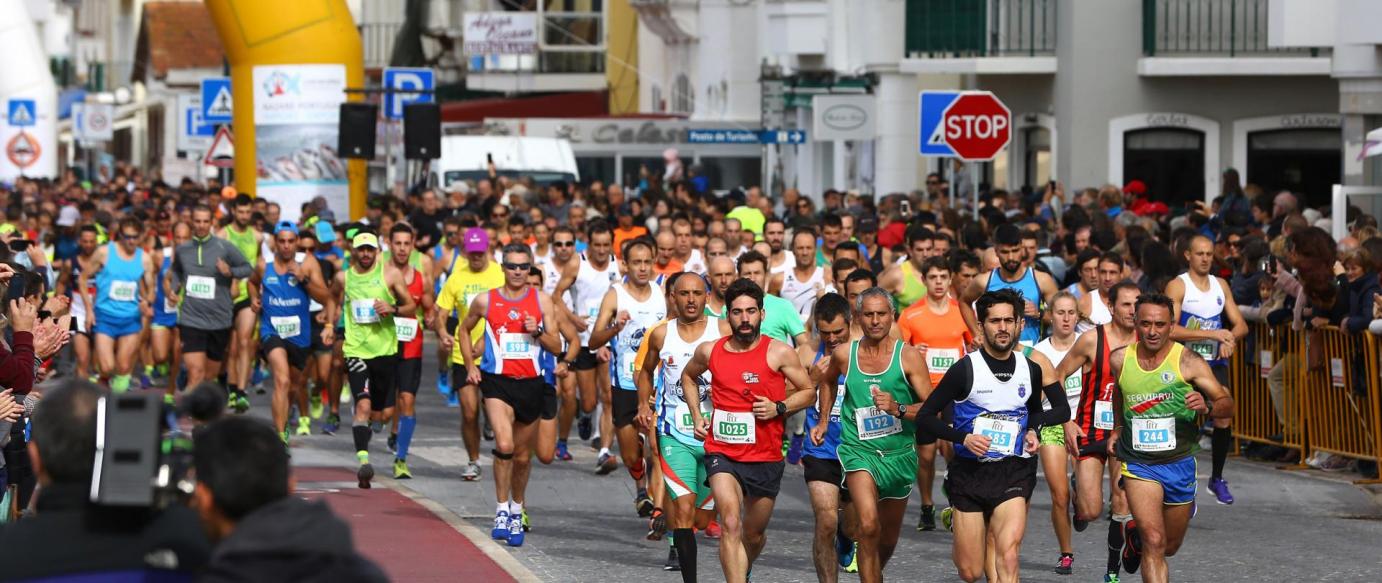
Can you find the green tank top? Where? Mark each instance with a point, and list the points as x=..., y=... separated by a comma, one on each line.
x=912, y=289
x=248, y=245
x=861, y=424
x=1157, y=426
x=414, y=259
x=367, y=334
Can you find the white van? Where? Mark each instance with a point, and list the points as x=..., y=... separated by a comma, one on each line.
x=545, y=160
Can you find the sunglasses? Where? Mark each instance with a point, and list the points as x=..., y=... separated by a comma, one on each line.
x=129, y=237
x=453, y=233
x=1235, y=244
x=563, y=243
x=518, y=266
x=498, y=215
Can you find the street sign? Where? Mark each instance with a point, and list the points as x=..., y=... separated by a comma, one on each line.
x=782, y=137
x=401, y=80
x=217, y=103
x=23, y=150
x=194, y=134
x=973, y=126
x=23, y=113
x=92, y=122
x=221, y=154
x=723, y=136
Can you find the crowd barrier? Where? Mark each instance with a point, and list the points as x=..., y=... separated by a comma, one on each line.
x=1309, y=391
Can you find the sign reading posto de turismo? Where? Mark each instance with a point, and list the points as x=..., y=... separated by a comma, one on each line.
x=500, y=33
x=973, y=126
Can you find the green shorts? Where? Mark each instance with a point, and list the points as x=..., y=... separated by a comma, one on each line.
x=683, y=470
x=893, y=471
x=1053, y=435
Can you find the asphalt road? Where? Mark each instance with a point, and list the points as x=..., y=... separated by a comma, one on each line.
x=1285, y=526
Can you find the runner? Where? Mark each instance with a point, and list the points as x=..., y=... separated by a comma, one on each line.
x=907, y=280
x=805, y=282
x=563, y=249
x=475, y=278
x=626, y=312
x=1203, y=305
x=671, y=346
x=444, y=258
x=588, y=277
x=517, y=318
x=1064, y=316
x=1086, y=435
x=325, y=399
x=124, y=283
x=1035, y=287
x=71, y=273
x=1094, y=304
x=281, y=286
x=412, y=268
x=372, y=295
x=780, y=259
x=666, y=263
x=876, y=447
x=781, y=321
x=833, y=542
x=935, y=327
x=998, y=413
x=1162, y=390
x=164, y=333
x=687, y=253
x=199, y=283
x=743, y=435
x=241, y=233
x=554, y=371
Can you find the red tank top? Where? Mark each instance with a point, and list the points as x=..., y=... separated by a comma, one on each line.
x=1098, y=386
x=509, y=349
x=413, y=348
x=737, y=380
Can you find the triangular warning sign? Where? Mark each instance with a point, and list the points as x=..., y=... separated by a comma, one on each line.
x=221, y=104
x=22, y=116
x=222, y=151
x=937, y=137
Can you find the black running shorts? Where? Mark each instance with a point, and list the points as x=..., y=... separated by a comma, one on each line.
x=625, y=406
x=975, y=486
x=213, y=343
x=373, y=379
x=527, y=397
x=297, y=355
x=551, y=404
x=757, y=479
x=586, y=360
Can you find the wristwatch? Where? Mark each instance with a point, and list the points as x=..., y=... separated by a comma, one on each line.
x=901, y=410
x=781, y=408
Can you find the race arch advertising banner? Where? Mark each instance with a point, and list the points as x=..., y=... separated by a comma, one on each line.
x=296, y=112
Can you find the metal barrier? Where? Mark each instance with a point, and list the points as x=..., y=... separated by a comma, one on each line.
x=1259, y=417
x=1341, y=398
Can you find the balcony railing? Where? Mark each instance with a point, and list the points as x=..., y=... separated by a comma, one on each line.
x=980, y=28
x=1210, y=28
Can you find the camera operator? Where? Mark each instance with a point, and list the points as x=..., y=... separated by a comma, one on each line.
x=263, y=533
x=70, y=536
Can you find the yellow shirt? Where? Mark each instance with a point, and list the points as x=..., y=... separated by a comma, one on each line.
x=460, y=289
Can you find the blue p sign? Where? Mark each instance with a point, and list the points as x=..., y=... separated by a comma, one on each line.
x=400, y=81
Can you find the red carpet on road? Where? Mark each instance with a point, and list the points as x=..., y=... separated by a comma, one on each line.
x=405, y=539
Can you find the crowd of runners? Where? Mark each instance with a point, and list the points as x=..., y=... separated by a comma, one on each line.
x=712, y=339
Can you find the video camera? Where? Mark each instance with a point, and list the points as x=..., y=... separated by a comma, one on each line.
x=143, y=455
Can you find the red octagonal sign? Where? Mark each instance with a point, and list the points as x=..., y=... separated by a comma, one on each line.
x=977, y=126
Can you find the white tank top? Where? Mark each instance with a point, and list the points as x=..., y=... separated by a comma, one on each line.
x=642, y=316
x=1098, y=314
x=1202, y=310
x=589, y=290
x=1071, y=383
x=551, y=276
x=541, y=259
x=673, y=412
x=802, y=293
x=695, y=263
x=787, y=266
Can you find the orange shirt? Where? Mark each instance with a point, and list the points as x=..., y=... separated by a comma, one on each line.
x=622, y=235
x=673, y=266
x=944, y=335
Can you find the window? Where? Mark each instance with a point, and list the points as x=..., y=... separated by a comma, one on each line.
x=683, y=97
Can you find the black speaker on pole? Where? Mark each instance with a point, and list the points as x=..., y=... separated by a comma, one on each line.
x=421, y=131
x=356, y=136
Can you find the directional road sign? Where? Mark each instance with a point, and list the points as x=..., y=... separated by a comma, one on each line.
x=401, y=80
x=217, y=103
x=782, y=137
x=23, y=113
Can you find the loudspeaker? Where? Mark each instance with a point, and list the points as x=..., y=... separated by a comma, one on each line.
x=356, y=136
x=421, y=131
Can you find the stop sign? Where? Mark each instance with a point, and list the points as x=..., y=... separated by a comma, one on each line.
x=977, y=126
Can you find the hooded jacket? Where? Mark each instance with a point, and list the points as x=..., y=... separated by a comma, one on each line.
x=290, y=540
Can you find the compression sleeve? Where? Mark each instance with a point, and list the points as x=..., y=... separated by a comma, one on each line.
x=954, y=386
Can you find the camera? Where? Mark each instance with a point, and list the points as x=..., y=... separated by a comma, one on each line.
x=143, y=455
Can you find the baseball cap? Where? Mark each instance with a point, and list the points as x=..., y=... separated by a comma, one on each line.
x=868, y=225
x=325, y=232
x=364, y=240
x=285, y=226
x=476, y=240
x=68, y=216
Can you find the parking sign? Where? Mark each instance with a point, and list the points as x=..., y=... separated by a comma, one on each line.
x=401, y=80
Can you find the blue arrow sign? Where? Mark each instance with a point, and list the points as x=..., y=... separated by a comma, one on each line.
x=932, y=133
x=23, y=113
x=782, y=137
x=401, y=80
x=217, y=104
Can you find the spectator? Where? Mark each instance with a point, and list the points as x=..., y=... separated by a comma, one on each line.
x=262, y=533
x=1361, y=268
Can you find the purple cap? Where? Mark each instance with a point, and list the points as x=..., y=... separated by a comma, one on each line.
x=476, y=240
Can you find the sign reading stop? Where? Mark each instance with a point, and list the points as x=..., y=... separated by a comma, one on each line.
x=970, y=125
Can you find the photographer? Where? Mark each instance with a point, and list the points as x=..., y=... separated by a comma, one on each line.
x=261, y=531
x=69, y=535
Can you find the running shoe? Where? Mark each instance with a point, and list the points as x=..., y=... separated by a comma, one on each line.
x=643, y=503
x=284, y=436
x=366, y=471
x=712, y=530
x=1132, y=547
x=444, y=385
x=471, y=472
x=527, y=527
x=257, y=379
x=562, y=453
x=1065, y=565
x=1111, y=578
x=672, y=563
x=844, y=549
x=1219, y=488
x=315, y=406
x=928, y=519
x=400, y=470
x=515, y=531
x=657, y=525
x=239, y=403
x=584, y=427
x=333, y=423
x=376, y=426
x=487, y=431
x=501, y=526
x=948, y=518
x=794, y=450
x=392, y=443
x=304, y=426
x=853, y=566
x=606, y=464
x=1079, y=525
x=144, y=381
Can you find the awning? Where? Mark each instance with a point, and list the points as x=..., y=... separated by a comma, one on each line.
x=582, y=104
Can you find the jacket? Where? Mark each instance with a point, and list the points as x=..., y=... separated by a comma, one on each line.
x=1360, y=303
x=199, y=258
x=290, y=540
x=17, y=364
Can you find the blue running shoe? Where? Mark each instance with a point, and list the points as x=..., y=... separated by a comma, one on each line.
x=515, y=531
x=1219, y=488
x=844, y=549
x=501, y=526
x=562, y=453
x=444, y=384
x=794, y=450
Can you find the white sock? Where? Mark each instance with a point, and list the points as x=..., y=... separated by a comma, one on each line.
x=604, y=451
x=515, y=509
x=503, y=507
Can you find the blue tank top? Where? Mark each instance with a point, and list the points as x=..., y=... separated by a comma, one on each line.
x=163, y=316
x=827, y=449
x=118, y=283
x=285, y=307
x=1027, y=286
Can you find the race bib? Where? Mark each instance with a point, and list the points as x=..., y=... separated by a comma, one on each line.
x=1002, y=433
x=939, y=360
x=169, y=305
x=874, y=423
x=1103, y=415
x=123, y=291
x=1209, y=349
x=405, y=329
x=1154, y=434
x=286, y=326
x=1072, y=386
x=839, y=402
x=201, y=287
x=737, y=428
x=363, y=312
x=516, y=346
x=683, y=420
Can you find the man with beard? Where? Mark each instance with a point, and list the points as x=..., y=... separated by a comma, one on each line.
x=780, y=261
x=241, y=233
x=743, y=435
x=1035, y=287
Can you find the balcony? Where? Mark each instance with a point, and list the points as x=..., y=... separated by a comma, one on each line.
x=1218, y=37
x=570, y=55
x=981, y=36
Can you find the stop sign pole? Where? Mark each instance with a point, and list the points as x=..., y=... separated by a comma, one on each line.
x=973, y=126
